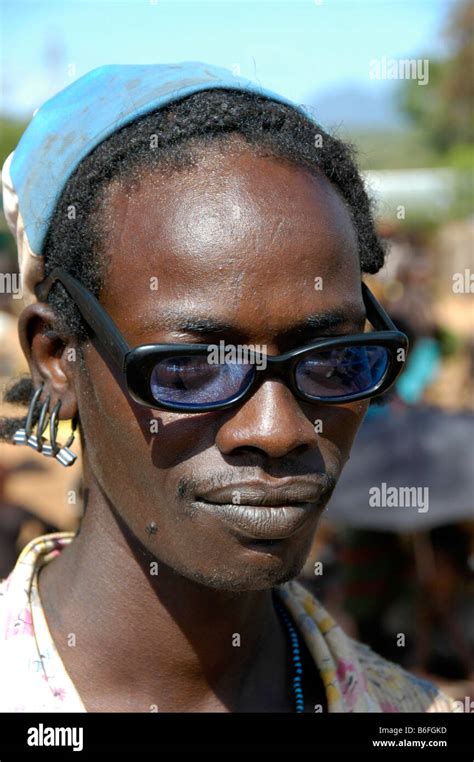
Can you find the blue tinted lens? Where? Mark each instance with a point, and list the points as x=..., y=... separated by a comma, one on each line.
x=192, y=380
x=342, y=371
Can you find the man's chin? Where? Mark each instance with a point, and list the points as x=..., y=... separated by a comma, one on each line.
x=266, y=571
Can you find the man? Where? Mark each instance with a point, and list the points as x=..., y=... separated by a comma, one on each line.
x=198, y=209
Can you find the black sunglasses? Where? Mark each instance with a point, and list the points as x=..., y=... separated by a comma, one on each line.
x=187, y=378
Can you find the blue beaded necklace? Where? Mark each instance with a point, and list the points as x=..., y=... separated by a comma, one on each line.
x=296, y=654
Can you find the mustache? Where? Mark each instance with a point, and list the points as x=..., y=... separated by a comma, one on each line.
x=189, y=487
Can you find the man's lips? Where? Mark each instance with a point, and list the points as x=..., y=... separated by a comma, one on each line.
x=258, y=493
x=263, y=511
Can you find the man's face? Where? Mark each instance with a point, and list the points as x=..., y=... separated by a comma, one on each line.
x=231, y=249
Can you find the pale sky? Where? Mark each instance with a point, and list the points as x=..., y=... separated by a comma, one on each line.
x=300, y=48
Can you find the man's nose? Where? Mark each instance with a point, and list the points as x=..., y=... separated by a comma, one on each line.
x=271, y=420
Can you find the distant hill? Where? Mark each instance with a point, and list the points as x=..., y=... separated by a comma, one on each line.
x=370, y=119
x=358, y=108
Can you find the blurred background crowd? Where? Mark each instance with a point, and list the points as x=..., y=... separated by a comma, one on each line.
x=383, y=572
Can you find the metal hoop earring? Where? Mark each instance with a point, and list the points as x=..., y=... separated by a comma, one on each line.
x=23, y=436
x=62, y=453
x=44, y=447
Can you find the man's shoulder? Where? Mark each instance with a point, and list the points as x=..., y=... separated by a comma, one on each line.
x=5, y=603
x=357, y=679
x=395, y=689
x=15, y=589
x=32, y=678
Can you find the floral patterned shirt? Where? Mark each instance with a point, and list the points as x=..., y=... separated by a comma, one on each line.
x=34, y=679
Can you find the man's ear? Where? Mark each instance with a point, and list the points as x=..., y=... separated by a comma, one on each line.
x=52, y=359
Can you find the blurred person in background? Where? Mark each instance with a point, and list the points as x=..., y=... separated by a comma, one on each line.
x=18, y=525
x=444, y=635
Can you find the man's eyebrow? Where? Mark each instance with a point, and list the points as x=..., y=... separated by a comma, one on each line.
x=326, y=321
x=176, y=320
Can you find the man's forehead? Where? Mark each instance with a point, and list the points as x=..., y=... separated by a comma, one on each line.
x=245, y=202
x=265, y=262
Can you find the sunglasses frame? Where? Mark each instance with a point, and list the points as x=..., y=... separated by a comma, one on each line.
x=137, y=363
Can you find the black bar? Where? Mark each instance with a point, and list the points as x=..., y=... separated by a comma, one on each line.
x=129, y=733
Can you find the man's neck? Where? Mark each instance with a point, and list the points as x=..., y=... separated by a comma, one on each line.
x=166, y=643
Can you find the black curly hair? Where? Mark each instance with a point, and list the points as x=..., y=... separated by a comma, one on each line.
x=171, y=139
